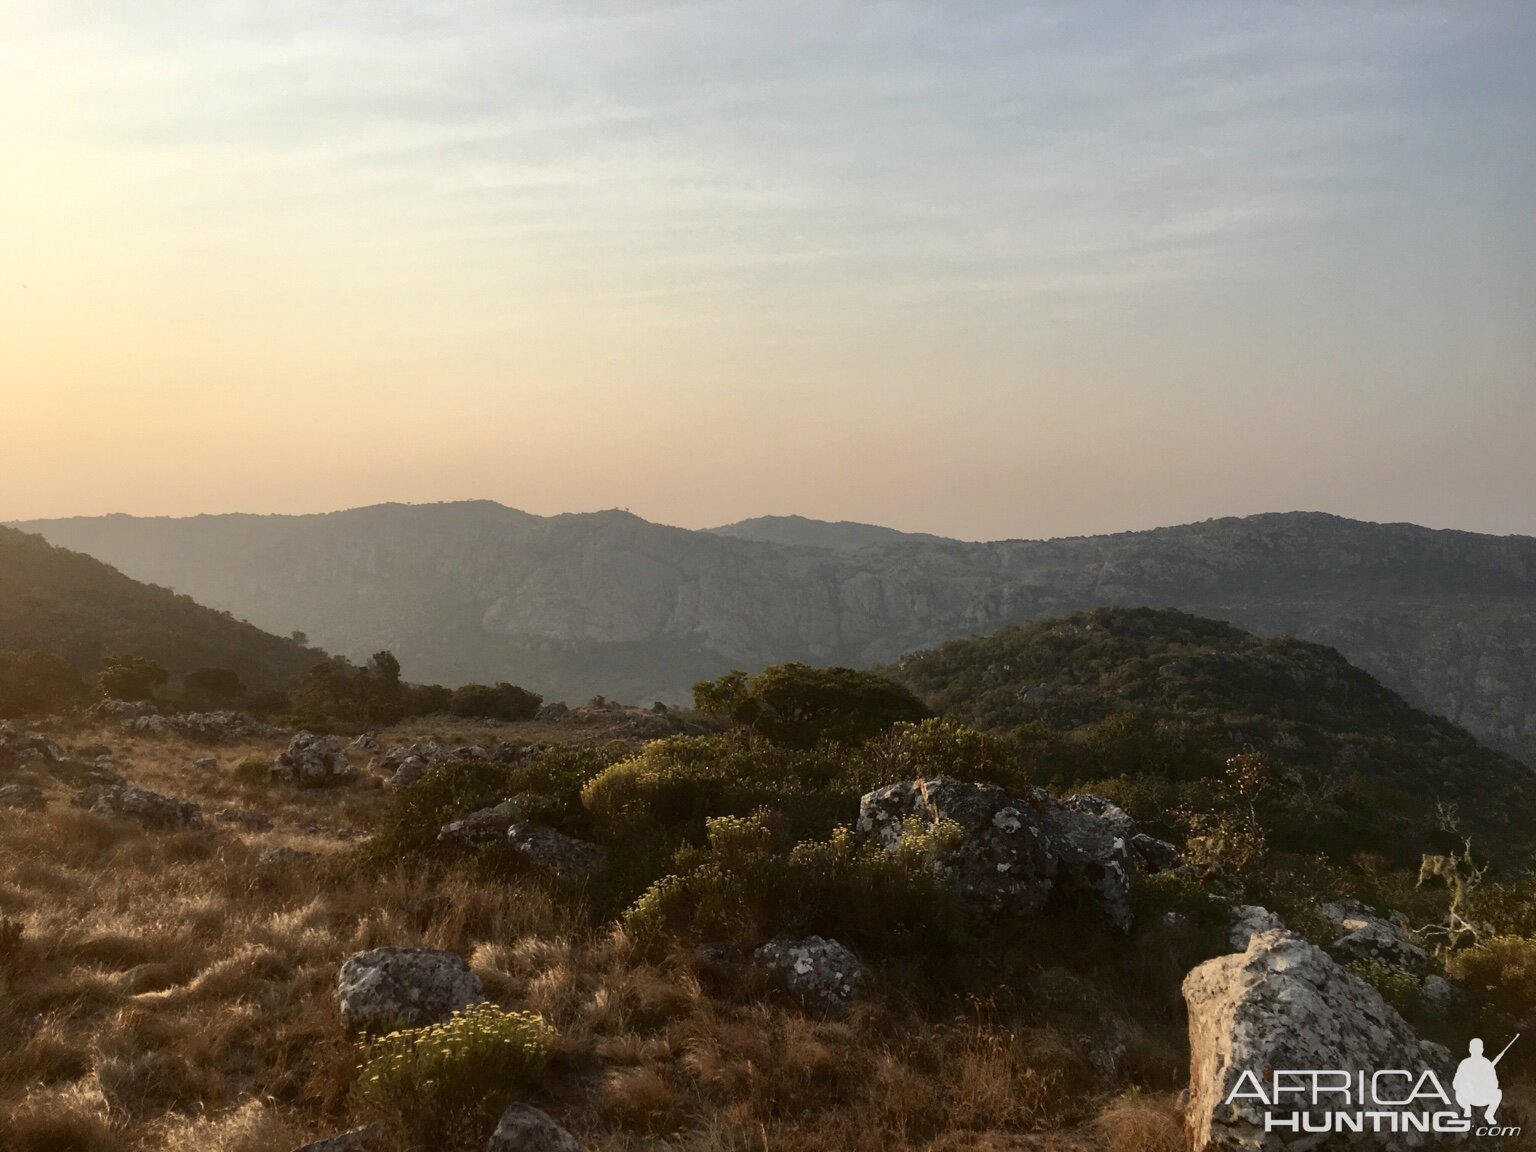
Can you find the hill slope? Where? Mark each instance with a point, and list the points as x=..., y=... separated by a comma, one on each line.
x=69, y=605
x=606, y=602
x=1167, y=695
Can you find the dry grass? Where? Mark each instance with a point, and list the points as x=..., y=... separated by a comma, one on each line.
x=166, y=994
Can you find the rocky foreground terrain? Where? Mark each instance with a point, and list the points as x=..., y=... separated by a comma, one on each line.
x=608, y=603
x=216, y=935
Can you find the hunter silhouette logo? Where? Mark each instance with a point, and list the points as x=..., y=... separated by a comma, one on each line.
x=1477, y=1081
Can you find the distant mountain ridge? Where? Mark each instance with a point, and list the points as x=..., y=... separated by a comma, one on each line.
x=609, y=603
x=840, y=535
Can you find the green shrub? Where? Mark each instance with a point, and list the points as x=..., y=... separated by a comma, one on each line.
x=742, y=888
x=798, y=706
x=1397, y=987
x=130, y=678
x=446, y=1084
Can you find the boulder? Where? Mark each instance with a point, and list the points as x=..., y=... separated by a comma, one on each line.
x=403, y=765
x=281, y=856
x=367, y=1139
x=386, y=988
x=1013, y=853
x=149, y=809
x=553, y=712
x=821, y=972
x=523, y=1128
x=365, y=745
x=1284, y=1003
x=22, y=796
x=311, y=761
x=484, y=826
x=1154, y=855
x=245, y=817
x=553, y=851
x=1440, y=996
x=1247, y=920
x=1368, y=935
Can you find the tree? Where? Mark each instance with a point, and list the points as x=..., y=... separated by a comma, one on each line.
x=34, y=682
x=495, y=702
x=215, y=687
x=299, y=637
x=386, y=673
x=130, y=678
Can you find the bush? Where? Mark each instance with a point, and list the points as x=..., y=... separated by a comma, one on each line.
x=1503, y=968
x=742, y=888
x=495, y=702
x=797, y=705
x=446, y=1084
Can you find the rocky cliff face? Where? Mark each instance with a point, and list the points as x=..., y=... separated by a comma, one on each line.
x=606, y=602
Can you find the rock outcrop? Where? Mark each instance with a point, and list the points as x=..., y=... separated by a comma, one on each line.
x=484, y=826
x=1013, y=854
x=820, y=972
x=311, y=761
x=1245, y=921
x=1284, y=1003
x=208, y=727
x=524, y=1128
x=1368, y=935
x=386, y=988
x=146, y=808
x=553, y=851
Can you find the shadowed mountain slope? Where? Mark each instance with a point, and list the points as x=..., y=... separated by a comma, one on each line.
x=70, y=605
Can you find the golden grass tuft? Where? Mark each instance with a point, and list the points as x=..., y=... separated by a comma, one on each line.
x=1138, y=1122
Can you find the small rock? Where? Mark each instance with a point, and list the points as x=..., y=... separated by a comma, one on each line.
x=282, y=856
x=1246, y=921
x=206, y=763
x=821, y=972
x=245, y=817
x=523, y=1128
x=366, y=744
x=553, y=851
x=386, y=988
x=719, y=957
x=22, y=796
x=149, y=809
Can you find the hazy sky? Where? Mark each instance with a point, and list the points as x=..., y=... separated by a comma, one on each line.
x=984, y=269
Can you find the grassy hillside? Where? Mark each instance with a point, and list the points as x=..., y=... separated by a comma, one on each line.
x=67, y=604
x=1158, y=700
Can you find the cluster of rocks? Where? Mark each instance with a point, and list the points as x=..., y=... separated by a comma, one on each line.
x=1013, y=855
x=146, y=808
x=402, y=765
x=208, y=727
x=312, y=761
x=18, y=747
x=545, y=848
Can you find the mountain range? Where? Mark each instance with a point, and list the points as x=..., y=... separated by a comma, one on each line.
x=581, y=604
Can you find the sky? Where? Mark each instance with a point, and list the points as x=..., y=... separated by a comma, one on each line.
x=980, y=269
